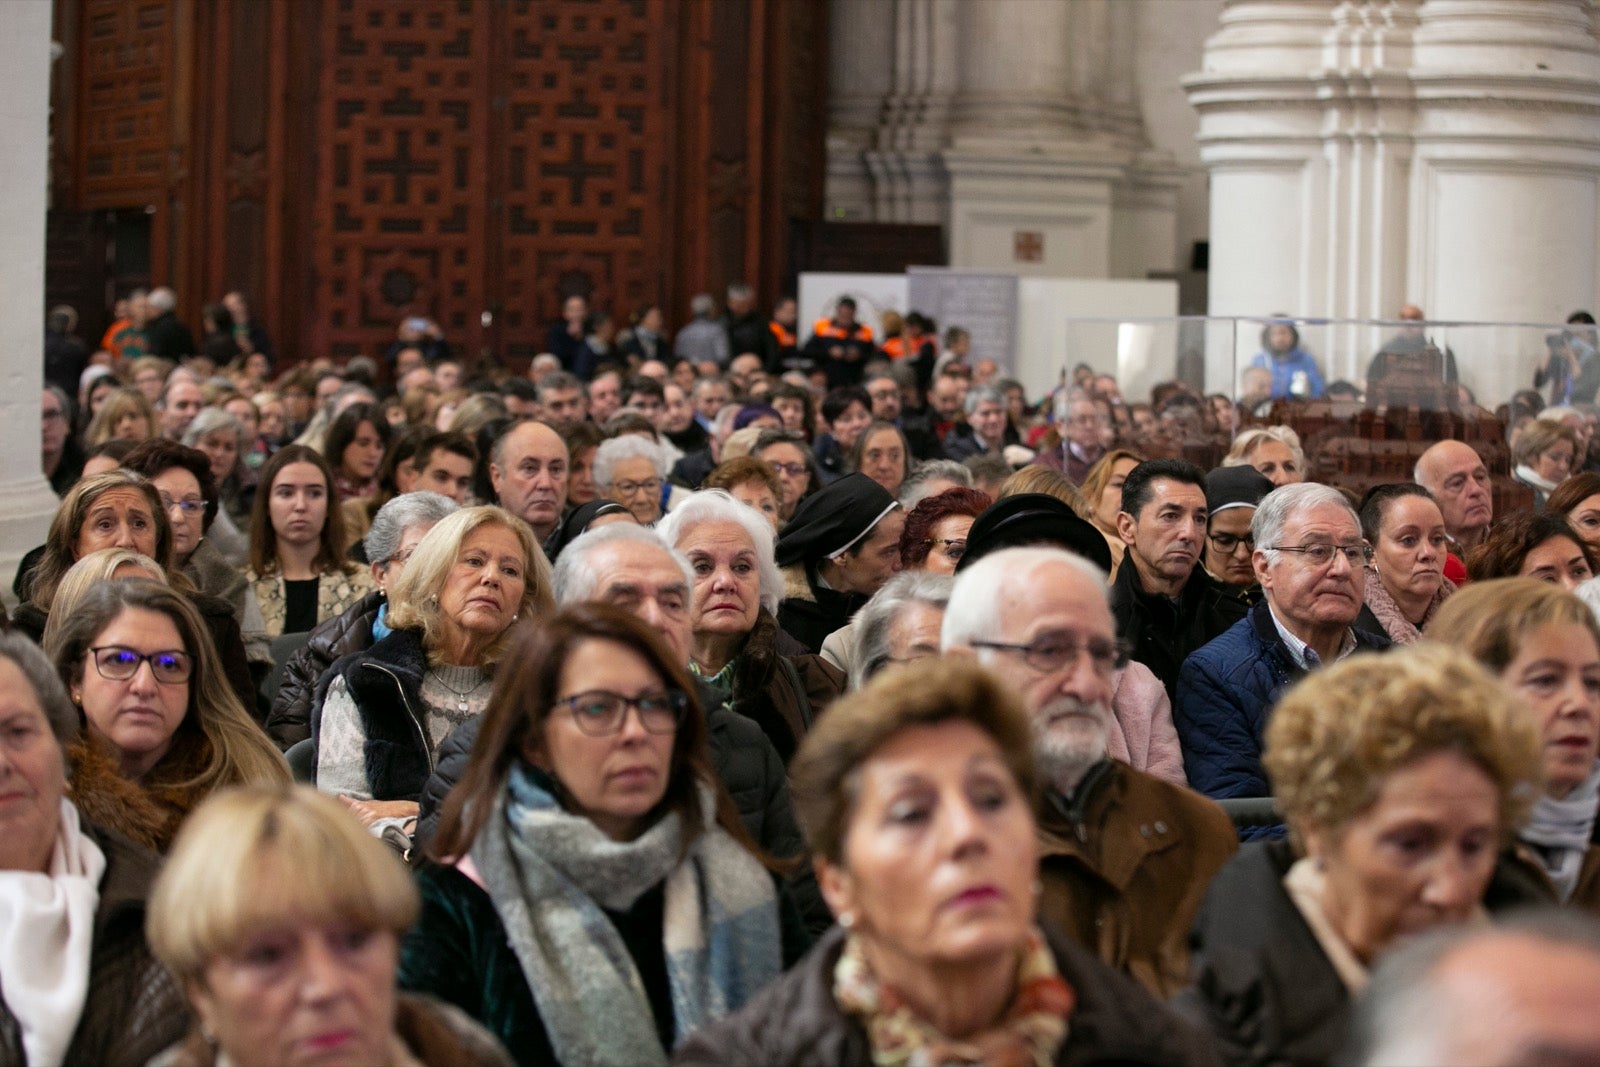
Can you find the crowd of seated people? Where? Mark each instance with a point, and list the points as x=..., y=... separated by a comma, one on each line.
x=739, y=696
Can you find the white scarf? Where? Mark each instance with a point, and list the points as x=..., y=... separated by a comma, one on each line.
x=1560, y=830
x=46, y=932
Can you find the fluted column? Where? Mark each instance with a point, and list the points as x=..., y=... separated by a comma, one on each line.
x=1260, y=137
x=861, y=41
x=24, y=128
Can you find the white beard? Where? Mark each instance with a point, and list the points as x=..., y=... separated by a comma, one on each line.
x=1069, y=737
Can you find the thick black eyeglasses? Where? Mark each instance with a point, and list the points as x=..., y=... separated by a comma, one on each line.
x=601, y=713
x=1322, y=555
x=120, y=664
x=1227, y=542
x=1053, y=653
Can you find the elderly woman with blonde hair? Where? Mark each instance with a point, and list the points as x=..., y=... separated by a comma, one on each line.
x=1273, y=450
x=282, y=919
x=916, y=795
x=385, y=711
x=1401, y=780
x=1544, y=644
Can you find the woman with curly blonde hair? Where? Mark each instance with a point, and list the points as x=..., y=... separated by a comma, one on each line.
x=1401, y=780
x=124, y=415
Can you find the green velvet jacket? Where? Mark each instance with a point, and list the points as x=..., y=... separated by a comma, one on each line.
x=457, y=951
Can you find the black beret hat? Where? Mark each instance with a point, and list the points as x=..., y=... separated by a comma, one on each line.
x=1034, y=519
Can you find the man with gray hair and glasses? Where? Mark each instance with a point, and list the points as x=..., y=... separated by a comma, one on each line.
x=1519, y=993
x=1311, y=561
x=1125, y=857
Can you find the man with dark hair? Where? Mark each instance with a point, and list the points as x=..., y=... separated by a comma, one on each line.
x=783, y=351
x=521, y=398
x=1162, y=599
x=605, y=396
x=841, y=345
x=562, y=402
x=645, y=396
x=444, y=463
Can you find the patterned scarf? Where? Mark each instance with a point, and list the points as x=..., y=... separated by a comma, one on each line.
x=1559, y=832
x=550, y=874
x=1401, y=630
x=1031, y=1033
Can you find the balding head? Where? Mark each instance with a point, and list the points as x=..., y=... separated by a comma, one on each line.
x=1518, y=995
x=528, y=469
x=1456, y=476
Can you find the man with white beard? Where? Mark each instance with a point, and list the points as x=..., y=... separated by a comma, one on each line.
x=1124, y=856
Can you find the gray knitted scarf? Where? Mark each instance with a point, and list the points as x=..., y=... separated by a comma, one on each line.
x=550, y=874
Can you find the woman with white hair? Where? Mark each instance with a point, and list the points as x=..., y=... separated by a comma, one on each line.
x=631, y=470
x=738, y=646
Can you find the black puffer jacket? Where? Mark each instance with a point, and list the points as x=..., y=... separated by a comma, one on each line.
x=349, y=631
x=795, y=1021
x=743, y=759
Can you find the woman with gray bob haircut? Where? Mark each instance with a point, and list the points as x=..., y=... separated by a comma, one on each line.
x=72, y=897
x=631, y=470
x=737, y=644
x=900, y=623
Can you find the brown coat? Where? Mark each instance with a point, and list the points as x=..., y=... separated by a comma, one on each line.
x=1124, y=865
x=147, y=813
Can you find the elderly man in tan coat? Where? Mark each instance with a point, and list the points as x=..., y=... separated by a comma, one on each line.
x=1125, y=856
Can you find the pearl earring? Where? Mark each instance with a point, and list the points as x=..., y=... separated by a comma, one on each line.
x=847, y=919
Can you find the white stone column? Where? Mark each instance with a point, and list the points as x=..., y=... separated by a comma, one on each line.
x=1506, y=198
x=861, y=40
x=1260, y=137
x=909, y=182
x=24, y=129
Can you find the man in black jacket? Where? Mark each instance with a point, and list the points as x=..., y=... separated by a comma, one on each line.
x=1163, y=601
x=632, y=568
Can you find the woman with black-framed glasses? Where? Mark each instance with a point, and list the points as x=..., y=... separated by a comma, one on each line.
x=595, y=897
x=163, y=730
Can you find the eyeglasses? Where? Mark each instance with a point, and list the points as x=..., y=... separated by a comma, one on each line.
x=1053, y=652
x=601, y=713
x=189, y=505
x=953, y=548
x=1227, y=542
x=1321, y=555
x=120, y=664
x=793, y=470
x=649, y=485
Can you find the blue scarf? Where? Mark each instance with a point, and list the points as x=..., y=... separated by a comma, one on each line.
x=551, y=873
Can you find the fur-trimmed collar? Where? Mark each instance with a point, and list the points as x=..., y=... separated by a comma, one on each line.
x=147, y=814
x=797, y=583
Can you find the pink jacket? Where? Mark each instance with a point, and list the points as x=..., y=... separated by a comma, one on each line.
x=1145, y=737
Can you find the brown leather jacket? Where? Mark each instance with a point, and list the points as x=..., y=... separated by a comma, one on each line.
x=134, y=1008
x=1124, y=864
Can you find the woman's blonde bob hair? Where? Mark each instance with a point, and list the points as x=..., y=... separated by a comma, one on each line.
x=84, y=575
x=414, y=596
x=826, y=771
x=259, y=857
x=1490, y=620
x=1246, y=443
x=1335, y=739
x=116, y=407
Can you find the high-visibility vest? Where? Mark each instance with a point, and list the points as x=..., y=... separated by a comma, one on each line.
x=894, y=347
x=784, y=335
x=826, y=328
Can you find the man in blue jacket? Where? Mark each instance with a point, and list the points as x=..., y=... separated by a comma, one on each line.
x=1311, y=561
